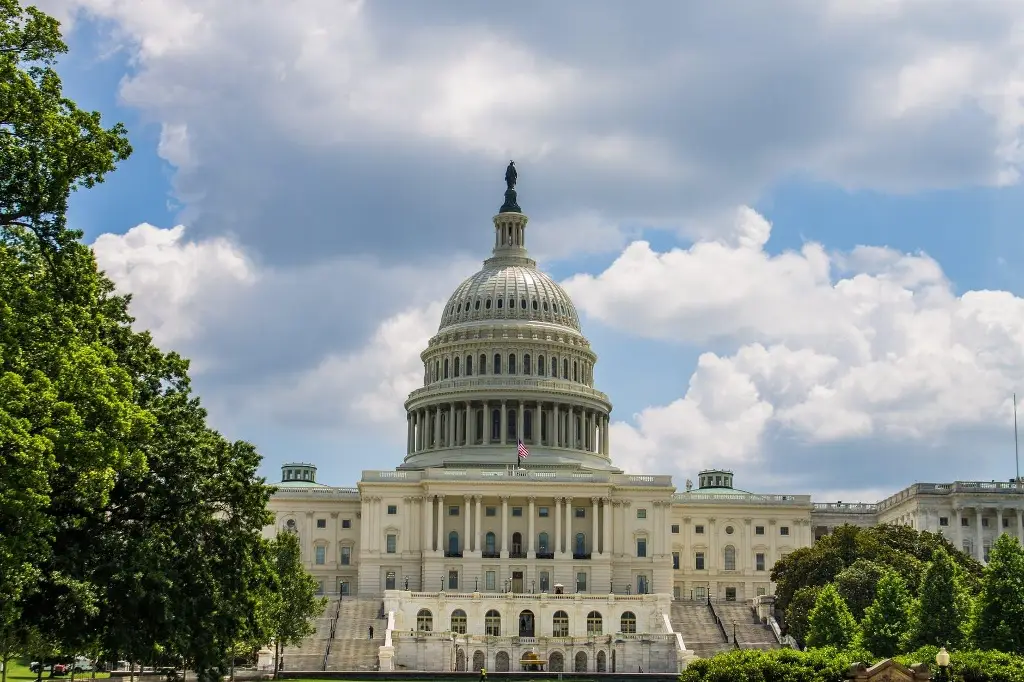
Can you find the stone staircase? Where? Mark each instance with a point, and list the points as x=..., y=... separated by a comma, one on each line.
x=309, y=654
x=694, y=621
x=750, y=633
x=352, y=648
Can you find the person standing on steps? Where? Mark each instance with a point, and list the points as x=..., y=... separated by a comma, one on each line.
x=371, y=632
x=483, y=674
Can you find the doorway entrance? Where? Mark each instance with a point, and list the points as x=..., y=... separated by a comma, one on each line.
x=730, y=594
x=526, y=624
x=517, y=582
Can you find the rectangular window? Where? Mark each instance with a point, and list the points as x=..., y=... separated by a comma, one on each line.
x=542, y=512
x=453, y=511
x=987, y=549
x=392, y=509
x=965, y=521
x=545, y=581
x=392, y=544
x=759, y=561
x=675, y=529
x=346, y=556
x=641, y=513
x=581, y=581
x=581, y=512
x=389, y=580
x=943, y=520
x=321, y=555
x=320, y=587
x=641, y=547
x=758, y=530
x=489, y=580
x=783, y=530
x=453, y=580
x=984, y=523
x=698, y=529
x=346, y=523
x=675, y=561
x=517, y=511
x=701, y=593
x=321, y=523
x=698, y=561
x=490, y=511
x=760, y=592
x=1006, y=523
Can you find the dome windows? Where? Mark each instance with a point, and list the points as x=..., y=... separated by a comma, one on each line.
x=488, y=304
x=477, y=306
x=526, y=364
x=511, y=302
x=512, y=363
x=469, y=365
x=540, y=365
x=497, y=364
x=534, y=304
x=501, y=302
x=483, y=364
x=522, y=303
x=545, y=306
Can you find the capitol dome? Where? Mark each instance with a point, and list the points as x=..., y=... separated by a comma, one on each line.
x=509, y=364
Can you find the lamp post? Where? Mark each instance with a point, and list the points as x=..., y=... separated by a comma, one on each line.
x=942, y=661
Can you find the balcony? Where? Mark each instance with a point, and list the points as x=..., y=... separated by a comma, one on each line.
x=545, y=555
x=456, y=555
x=581, y=556
x=517, y=553
x=490, y=555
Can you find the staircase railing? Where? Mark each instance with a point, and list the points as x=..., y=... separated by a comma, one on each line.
x=721, y=625
x=330, y=638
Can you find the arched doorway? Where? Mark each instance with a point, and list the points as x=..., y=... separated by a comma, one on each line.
x=501, y=662
x=556, y=662
x=478, y=661
x=460, y=660
x=602, y=662
x=526, y=622
x=580, y=662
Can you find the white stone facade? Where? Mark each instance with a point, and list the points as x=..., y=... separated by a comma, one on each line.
x=462, y=524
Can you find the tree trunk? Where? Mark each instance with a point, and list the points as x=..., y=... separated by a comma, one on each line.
x=277, y=658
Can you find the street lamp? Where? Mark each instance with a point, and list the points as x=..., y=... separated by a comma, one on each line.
x=942, y=660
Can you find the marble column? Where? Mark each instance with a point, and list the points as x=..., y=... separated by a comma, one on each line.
x=606, y=542
x=999, y=522
x=521, y=425
x=504, y=422
x=440, y=523
x=557, y=549
x=538, y=437
x=451, y=425
x=555, y=422
x=531, y=552
x=467, y=426
x=571, y=440
x=428, y=521
x=486, y=435
x=979, y=552
x=436, y=440
x=772, y=532
x=504, y=525
x=595, y=541
x=957, y=519
x=569, y=549
x=477, y=547
x=466, y=543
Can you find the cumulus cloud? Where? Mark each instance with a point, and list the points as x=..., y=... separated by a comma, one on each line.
x=336, y=108
x=868, y=346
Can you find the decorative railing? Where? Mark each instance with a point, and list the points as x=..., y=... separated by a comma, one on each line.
x=453, y=555
x=490, y=383
x=318, y=491
x=845, y=507
x=581, y=556
x=545, y=555
x=742, y=498
x=511, y=473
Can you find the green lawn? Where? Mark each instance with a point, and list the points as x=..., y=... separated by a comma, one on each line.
x=16, y=671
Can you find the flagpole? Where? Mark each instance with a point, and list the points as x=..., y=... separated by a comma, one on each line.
x=1016, y=449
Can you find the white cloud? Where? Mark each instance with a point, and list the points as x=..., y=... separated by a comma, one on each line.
x=883, y=352
x=174, y=282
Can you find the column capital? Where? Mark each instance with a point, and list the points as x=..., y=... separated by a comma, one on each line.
x=606, y=500
x=532, y=499
x=467, y=498
x=771, y=522
x=558, y=499
x=595, y=500
x=711, y=520
x=478, y=497
x=686, y=519
x=627, y=503
x=334, y=515
x=504, y=498
x=309, y=515
x=746, y=522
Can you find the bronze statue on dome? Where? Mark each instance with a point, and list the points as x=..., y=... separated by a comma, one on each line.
x=511, y=175
x=511, y=204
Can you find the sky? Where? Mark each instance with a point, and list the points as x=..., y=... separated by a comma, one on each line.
x=792, y=229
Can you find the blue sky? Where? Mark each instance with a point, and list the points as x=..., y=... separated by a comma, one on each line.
x=779, y=249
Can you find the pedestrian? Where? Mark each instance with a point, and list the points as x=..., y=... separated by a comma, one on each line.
x=371, y=632
x=483, y=674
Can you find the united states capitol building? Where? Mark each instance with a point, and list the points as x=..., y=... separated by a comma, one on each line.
x=462, y=558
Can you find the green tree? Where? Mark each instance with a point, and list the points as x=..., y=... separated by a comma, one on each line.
x=886, y=623
x=999, y=616
x=799, y=611
x=295, y=603
x=858, y=583
x=943, y=606
x=830, y=623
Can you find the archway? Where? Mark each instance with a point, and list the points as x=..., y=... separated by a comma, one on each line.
x=501, y=662
x=556, y=662
x=460, y=660
x=602, y=662
x=526, y=621
x=580, y=662
x=478, y=661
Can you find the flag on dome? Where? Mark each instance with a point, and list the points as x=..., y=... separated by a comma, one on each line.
x=523, y=452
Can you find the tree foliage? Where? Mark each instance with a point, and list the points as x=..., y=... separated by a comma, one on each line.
x=830, y=623
x=296, y=602
x=858, y=583
x=943, y=609
x=798, y=612
x=999, y=618
x=885, y=627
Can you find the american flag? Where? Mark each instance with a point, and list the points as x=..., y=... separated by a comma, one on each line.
x=523, y=452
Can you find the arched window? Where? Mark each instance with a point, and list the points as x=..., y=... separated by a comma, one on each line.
x=512, y=363
x=513, y=426
x=483, y=364
x=627, y=624
x=581, y=544
x=424, y=621
x=554, y=368
x=560, y=624
x=496, y=424
x=565, y=369
x=446, y=368
x=730, y=558
x=594, y=623
x=479, y=425
x=487, y=304
x=459, y=621
x=437, y=370
x=469, y=365
x=517, y=543
x=526, y=364
x=457, y=361
x=501, y=302
x=489, y=541
x=527, y=424
x=497, y=363
x=522, y=303
x=575, y=371
x=542, y=543
x=541, y=368
x=492, y=623
x=453, y=543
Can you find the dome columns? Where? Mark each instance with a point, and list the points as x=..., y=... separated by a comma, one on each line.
x=510, y=235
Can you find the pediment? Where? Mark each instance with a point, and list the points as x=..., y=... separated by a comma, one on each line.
x=887, y=671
